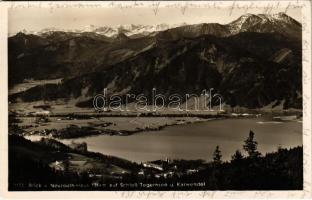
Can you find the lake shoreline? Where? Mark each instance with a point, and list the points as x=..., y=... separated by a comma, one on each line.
x=86, y=131
x=191, y=140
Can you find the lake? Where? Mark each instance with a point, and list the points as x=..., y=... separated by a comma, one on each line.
x=197, y=140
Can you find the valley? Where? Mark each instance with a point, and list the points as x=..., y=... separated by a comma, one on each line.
x=249, y=138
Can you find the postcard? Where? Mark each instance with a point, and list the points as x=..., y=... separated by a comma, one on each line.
x=158, y=99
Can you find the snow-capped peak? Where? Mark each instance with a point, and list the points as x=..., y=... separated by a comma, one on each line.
x=109, y=31
x=247, y=21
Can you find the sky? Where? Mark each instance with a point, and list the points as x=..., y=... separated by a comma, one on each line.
x=36, y=19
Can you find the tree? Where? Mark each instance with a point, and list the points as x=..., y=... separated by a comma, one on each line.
x=237, y=156
x=217, y=155
x=250, y=146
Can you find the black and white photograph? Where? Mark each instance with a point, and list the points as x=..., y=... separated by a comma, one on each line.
x=159, y=96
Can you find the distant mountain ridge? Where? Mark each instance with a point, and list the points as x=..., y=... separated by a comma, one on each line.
x=110, y=31
x=247, y=22
x=253, y=61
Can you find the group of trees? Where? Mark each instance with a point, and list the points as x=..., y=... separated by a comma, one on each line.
x=250, y=146
x=280, y=170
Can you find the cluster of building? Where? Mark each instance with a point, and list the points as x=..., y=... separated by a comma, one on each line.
x=164, y=169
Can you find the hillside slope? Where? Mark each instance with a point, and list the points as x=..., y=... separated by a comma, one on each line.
x=252, y=62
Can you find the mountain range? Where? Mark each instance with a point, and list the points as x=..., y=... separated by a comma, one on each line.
x=253, y=61
x=110, y=31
